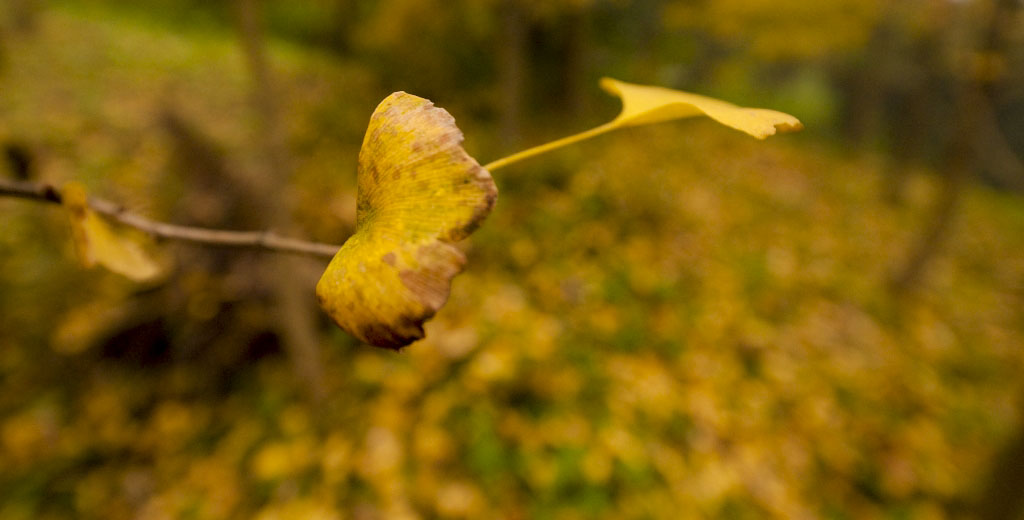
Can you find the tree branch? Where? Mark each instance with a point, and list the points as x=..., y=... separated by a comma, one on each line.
x=265, y=240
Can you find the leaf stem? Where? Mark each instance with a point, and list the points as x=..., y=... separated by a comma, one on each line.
x=265, y=240
x=547, y=147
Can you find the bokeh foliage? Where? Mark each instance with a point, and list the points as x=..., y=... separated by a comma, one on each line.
x=669, y=322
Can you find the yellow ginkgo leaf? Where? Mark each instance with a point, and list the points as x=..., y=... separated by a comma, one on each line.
x=97, y=243
x=643, y=104
x=419, y=192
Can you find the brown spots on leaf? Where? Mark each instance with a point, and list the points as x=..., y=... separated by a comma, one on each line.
x=419, y=193
x=481, y=211
x=430, y=283
x=394, y=338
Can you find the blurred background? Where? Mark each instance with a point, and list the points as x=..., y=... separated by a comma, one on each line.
x=675, y=321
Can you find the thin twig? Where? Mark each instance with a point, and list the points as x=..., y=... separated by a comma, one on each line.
x=266, y=240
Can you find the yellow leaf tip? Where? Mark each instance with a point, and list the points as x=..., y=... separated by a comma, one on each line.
x=777, y=122
x=608, y=84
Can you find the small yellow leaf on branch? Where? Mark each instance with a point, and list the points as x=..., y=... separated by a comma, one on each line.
x=97, y=243
x=419, y=192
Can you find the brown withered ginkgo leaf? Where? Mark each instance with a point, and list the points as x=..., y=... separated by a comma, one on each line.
x=419, y=192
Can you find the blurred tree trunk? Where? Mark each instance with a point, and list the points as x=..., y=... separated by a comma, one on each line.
x=998, y=157
x=577, y=50
x=512, y=74
x=957, y=172
x=1003, y=43
x=859, y=85
x=649, y=27
x=907, y=140
x=913, y=80
x=344, y=21
x=975, y=93
x=1003, y=496
x=294, y=301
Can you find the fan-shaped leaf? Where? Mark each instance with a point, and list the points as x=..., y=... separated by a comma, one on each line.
x=419, y=192
x=642, y=104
